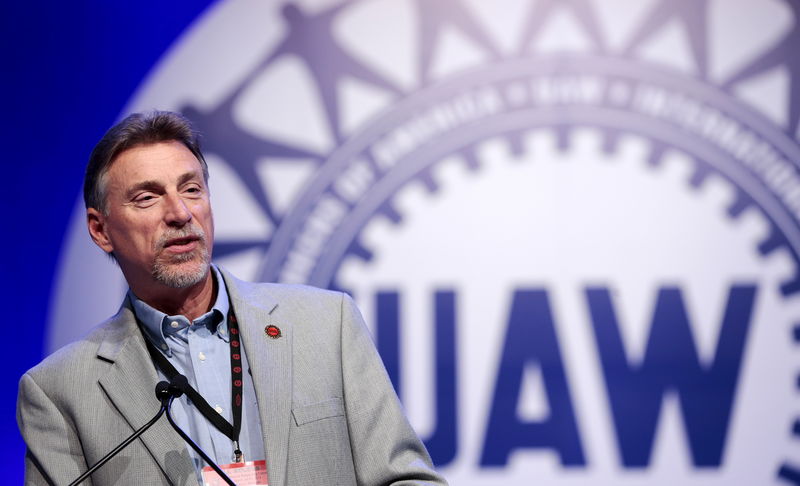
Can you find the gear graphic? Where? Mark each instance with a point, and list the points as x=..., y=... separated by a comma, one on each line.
x=613, y=122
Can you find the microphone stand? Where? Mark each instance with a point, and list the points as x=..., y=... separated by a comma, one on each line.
x=165, y=395
x=189, y=441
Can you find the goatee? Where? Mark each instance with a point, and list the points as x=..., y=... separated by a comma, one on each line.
x=184, y=269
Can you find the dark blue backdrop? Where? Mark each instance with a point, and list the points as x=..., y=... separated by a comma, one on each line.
x=68, y=69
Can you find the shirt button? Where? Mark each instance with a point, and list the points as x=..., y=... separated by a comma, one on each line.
x=218, y=409
x=222, y=331
x=164, y=346
x=201, y=355
x=174, y=324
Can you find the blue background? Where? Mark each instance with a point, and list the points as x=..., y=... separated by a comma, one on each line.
x=69, y=69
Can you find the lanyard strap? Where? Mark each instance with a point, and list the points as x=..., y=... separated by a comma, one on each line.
x=230, y=430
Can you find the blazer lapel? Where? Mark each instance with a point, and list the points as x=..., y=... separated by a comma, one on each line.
x=271, y=363
x=130, y=385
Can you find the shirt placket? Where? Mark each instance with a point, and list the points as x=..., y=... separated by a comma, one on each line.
x=212, y=374
x=176, y=332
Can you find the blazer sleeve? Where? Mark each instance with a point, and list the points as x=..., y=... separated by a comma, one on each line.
x=54, y=454
x=386, y=450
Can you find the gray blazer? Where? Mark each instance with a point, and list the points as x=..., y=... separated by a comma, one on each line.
x=329, y=414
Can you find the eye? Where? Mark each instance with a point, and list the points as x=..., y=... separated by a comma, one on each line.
x=193, y=189
x=144, y=199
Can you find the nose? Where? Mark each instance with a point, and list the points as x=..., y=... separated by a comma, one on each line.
x=177, y=213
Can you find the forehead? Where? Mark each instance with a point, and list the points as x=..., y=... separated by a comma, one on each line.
x=162, y=162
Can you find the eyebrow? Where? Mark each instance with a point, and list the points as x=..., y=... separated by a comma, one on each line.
x=150, y=185
x=155, y=186
x=188, y=176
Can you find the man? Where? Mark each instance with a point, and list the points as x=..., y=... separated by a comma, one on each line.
x=295, y=364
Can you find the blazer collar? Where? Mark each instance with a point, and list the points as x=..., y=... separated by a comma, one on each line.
x=271, y=363
x=129, y=384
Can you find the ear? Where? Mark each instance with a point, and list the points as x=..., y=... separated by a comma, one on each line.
x=96, y=221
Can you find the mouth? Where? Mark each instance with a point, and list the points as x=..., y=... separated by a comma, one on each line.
x=182, y=245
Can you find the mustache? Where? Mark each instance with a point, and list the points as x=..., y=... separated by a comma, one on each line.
x=188, y=231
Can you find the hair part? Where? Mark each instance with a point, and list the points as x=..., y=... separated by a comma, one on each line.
x=135, y=130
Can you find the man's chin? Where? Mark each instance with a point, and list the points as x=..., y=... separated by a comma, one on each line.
x=180, y=275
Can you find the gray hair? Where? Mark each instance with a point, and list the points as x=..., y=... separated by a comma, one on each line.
x=135, y=130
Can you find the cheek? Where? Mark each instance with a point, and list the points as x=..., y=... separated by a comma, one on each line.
x=205, y=217
x=133, y=238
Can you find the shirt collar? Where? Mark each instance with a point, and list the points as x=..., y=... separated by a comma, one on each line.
x=156, y=323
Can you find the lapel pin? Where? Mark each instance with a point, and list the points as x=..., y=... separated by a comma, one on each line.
x=272, y=331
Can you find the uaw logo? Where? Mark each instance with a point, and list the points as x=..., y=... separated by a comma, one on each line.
x=572, y=225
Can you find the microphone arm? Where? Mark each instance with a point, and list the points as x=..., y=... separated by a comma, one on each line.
x=165, y=394
x=192, y=443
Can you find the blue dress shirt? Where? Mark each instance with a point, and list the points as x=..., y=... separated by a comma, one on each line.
x=200, y=350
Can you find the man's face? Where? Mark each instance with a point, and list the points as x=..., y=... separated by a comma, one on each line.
x=158, y=219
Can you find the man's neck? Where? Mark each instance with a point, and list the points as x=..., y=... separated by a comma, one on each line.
x=191, y=302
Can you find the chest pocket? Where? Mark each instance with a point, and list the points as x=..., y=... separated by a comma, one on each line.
x=318, y=411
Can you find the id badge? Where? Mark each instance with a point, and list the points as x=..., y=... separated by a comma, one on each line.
x=250, y=473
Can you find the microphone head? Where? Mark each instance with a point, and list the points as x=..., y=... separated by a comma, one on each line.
x=162, y=390
x=178, y=385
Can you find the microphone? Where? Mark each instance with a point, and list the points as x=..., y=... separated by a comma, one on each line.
x=177, y=386
x=162, y=390
x=163, y=393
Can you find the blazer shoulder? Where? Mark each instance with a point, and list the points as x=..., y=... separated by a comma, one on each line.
x=271, y=294
x=74, y=358
x=302, y=291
